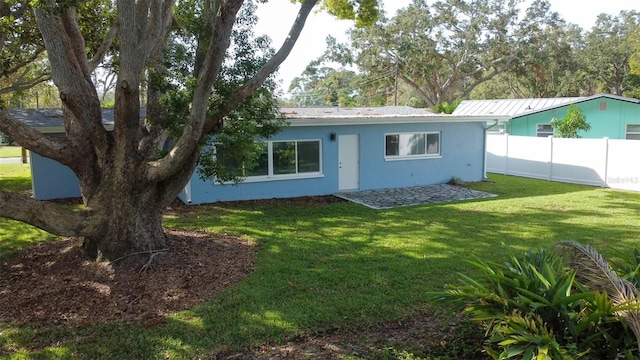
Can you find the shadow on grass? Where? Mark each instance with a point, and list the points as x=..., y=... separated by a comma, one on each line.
x=326, y=265
x=15, y=184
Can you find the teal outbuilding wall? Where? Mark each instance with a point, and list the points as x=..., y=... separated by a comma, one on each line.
x=607, y=116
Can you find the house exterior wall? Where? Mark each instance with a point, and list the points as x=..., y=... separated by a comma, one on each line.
x=52, y=180
x=462, y=156
x=609, y=123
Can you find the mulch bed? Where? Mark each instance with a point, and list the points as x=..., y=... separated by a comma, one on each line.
x=54, y=283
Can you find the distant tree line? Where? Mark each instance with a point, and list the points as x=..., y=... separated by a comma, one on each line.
x=427, y=55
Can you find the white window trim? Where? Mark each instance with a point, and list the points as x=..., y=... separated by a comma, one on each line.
x=412, y=157
x=627, y=132
x=538, y=132
x=278, y=177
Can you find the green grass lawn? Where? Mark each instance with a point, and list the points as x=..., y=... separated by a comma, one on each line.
x=326, y=265
x=10, y=151
x=15, y=236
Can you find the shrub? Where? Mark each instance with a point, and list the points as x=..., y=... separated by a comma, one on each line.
x=533, y=306
x=446, y=107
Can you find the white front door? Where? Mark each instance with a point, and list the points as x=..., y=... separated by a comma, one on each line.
x=348, y=162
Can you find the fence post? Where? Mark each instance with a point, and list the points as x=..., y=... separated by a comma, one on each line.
x=506, y=154
x=606, y=162
x=550, y=162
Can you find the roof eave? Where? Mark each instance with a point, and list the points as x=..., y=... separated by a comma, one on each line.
x=344, y=121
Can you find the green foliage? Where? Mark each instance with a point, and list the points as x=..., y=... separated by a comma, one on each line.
x=436, y=51
x=628, y=266
x=22, y=64
x=235, y=145
x=446, y=107
x=526, y=337
x=5, y=139
x=534, y=307
x=609, y=50
x=364, y=12
x=326, y=86
x=571, y=124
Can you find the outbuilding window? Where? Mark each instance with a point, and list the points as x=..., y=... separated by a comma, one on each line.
x=633, y=132
x=544, y=130
x=412, y=145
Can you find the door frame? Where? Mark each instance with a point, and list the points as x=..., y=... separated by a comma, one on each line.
x=348, y=162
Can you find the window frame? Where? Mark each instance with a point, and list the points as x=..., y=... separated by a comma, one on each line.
x=414, y=156
x=635, y=133
x=538, y=132
x=271, y=176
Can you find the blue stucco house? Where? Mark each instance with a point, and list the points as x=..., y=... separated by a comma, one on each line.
x=610, y=116
x=323, y=151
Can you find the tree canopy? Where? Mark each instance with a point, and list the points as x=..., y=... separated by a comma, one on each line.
x=434, y=52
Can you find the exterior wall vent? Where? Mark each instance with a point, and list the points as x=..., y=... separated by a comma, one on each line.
x=603, y=106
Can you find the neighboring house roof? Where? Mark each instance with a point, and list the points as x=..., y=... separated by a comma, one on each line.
x=50, y=120
x=514, y=108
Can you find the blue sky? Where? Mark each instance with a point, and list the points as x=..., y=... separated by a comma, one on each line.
x=277, y=15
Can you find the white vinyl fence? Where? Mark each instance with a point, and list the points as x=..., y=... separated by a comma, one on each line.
x=599, y=162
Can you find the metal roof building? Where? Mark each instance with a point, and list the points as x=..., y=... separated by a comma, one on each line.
x=513, y=108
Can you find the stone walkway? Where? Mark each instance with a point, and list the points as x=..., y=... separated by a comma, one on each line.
x=390, y=198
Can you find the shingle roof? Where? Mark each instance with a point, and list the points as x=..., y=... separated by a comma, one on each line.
x=51, y=118
x=350, y=112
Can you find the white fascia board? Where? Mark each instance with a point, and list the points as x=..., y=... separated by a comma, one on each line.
x=342, y=121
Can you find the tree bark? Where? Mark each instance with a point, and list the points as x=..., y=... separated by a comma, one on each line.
x=132, y=224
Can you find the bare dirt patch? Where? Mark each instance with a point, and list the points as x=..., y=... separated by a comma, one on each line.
x=423, y=335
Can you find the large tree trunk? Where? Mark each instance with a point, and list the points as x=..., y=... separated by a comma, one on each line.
x=132, y=224
x=130, y=208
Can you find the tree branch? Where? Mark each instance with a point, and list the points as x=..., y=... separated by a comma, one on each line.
x=272, y=65
x=69, y=71
x=190, y=139
x=98, y=57
x=46, y=216
x=22, y=84
x=58, y=149
x=417, y=88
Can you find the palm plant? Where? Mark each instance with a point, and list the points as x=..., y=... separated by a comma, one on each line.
x=535, y=307
x=593, y=271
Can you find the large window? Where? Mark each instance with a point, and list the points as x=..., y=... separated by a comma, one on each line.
x=633, y=132
x=412, y=145
x=544, y=130
x=287, y=159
